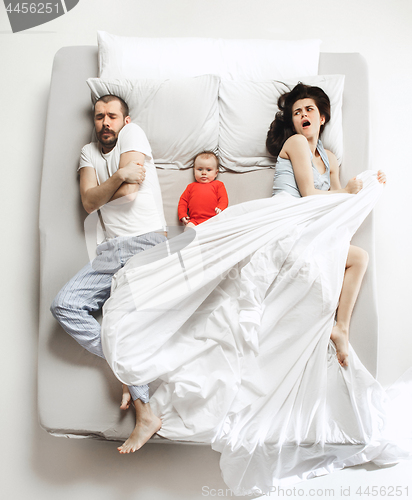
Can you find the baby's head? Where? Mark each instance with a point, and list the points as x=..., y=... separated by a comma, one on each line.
x=205, y=167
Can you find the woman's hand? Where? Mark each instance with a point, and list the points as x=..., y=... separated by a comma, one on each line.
x=381, y=177
x=185, y=220
x=354, y=186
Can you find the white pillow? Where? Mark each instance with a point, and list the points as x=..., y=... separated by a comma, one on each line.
x=134, y=57
x=180, y=117
x=248, y=108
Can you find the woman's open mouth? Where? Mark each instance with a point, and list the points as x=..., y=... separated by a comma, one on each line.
x=305, y=124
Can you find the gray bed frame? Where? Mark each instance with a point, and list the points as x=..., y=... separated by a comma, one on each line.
x=86, y=395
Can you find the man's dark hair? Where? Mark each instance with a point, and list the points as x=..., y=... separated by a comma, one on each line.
x=109, y=97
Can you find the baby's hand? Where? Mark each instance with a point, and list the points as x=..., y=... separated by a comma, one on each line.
x=185, y=220
x=217, y=210
x=381, y=177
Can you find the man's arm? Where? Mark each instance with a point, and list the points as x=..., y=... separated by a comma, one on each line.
x=127, y=158
x=129, y=175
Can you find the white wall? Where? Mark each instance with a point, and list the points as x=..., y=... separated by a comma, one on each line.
x=38, y=466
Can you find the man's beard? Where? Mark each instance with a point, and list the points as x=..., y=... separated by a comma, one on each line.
x=109, y=141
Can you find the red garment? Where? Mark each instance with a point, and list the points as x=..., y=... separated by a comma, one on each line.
x=199, y=201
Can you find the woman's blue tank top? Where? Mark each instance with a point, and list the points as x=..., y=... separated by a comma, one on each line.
x=284, y=179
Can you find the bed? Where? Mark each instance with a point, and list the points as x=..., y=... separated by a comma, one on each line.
x=85, y=393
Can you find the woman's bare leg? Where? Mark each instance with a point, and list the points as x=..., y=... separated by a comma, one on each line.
x=147, y=424
x=356, y=265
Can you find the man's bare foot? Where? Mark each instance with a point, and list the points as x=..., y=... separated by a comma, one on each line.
x=147, y=424
x=126, y=398
x=340, y=338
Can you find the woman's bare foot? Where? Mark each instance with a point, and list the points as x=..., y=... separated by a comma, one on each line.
x=126, y=398
x=340, y=338
x=147, y=424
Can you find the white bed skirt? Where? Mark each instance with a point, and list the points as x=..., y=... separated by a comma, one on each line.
x=233, y=321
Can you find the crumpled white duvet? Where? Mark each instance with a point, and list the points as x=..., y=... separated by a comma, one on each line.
x=233, y=320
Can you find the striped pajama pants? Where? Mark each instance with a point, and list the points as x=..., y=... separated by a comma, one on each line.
x=86, y=293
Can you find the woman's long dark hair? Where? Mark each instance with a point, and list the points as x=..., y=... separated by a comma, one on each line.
x=282, y=126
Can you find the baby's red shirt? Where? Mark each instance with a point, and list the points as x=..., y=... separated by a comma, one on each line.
x=199, y=201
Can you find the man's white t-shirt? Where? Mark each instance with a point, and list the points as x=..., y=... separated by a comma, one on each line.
x=140, y=212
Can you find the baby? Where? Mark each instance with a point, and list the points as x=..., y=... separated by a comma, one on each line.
x=205, y=197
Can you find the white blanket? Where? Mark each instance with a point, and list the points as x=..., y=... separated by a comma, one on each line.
x=234, y=319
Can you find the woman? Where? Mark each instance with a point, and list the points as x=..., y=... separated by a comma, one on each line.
x=305, y=168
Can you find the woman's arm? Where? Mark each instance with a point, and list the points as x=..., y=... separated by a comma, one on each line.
x=296, y=149
x=352, y=187
x=334, y=172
